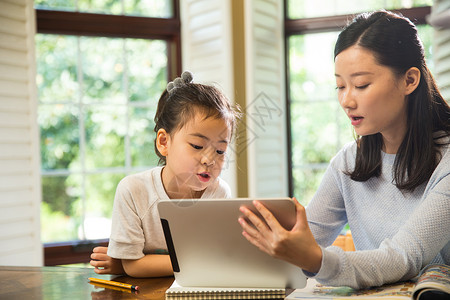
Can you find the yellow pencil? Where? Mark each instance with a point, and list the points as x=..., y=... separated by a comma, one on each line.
x=114, y=283
x=110, y=287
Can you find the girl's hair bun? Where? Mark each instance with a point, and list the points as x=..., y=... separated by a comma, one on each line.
x=185, y=78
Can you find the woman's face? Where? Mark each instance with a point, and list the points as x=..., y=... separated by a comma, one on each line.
x=373, y=97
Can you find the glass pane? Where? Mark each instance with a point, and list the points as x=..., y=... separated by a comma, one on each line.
x=105, y=130
x=316, y=132
x=56, y=4
x=147, y=69
x=144, y=8
x=60, y=218
x=426, y=35
x=59, y=136
x=142, y=137
x=306, y=182
x=149, y=8
x=103, y=75
x=100, y=6
x=319, y=8
x=56, y=68
x=311, y=68
x=100, y=190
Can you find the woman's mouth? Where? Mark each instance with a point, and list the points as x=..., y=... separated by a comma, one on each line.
x=356, y=120
x=204, y=176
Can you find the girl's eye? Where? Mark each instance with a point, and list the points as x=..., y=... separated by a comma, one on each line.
x=361, y=87
x=196, y=147
x=339, y=88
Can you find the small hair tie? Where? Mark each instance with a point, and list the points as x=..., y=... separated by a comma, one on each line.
x=185, y=78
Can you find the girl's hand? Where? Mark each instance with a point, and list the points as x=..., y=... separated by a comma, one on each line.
x=296, y=246
x=105, y=264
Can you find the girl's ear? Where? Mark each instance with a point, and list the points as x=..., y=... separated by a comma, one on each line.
x=162, y=141
x=412, y=80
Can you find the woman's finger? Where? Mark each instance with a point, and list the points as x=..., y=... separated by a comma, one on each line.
x=269, y=218
x=250, y=229
x=259, y=224
x=252, y=235
x=302, y=221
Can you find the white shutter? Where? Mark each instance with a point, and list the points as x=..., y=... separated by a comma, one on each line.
x=440, y=19
x=20, y=191
x=207, y=52
x=266, y=104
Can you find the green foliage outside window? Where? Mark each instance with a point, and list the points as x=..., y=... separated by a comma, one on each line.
x=97, y=100
x=147, y=8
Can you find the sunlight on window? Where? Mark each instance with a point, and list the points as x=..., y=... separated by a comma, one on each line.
x=318, y=8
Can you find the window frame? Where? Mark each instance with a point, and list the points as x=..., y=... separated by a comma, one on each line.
x=104, y=25
x=318, y=25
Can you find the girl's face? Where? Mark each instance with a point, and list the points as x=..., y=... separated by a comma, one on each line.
x=194, y=155
x=373, y=97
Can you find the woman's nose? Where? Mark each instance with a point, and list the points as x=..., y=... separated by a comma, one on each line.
x=346, y=100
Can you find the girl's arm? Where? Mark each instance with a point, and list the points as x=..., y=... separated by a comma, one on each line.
x=151, y=265
x=132, y=212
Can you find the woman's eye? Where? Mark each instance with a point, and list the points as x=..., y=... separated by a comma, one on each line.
x=196, y=147
x=362, y=86
x=339, y=88
x=220, y=152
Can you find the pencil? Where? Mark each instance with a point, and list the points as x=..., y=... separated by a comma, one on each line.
x=110, y=287
x=114, y=283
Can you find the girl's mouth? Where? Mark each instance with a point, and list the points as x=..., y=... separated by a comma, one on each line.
x=204, y=177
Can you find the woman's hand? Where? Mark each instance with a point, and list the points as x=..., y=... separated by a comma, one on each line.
x=296, y=246
x=105, y=264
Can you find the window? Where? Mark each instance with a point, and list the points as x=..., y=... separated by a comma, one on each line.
x=101, y=67
x=318, y=126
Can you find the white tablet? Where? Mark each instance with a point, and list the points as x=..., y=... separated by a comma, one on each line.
x=207, y=248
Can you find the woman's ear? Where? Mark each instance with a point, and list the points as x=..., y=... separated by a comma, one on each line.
x=162, y=141
x=412, y=80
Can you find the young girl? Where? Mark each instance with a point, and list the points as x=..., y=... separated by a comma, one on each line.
x=194, y=124
x=392, y=185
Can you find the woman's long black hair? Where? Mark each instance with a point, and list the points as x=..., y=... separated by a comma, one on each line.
x=394, y=41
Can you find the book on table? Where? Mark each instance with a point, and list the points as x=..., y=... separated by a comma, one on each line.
x=432, y=284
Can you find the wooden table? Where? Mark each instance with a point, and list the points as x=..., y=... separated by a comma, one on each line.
x=72, y=283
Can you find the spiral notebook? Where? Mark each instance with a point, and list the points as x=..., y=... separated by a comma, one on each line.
x=177, y=292
x=212, y=260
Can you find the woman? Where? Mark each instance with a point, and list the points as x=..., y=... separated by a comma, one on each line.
x=392, y=185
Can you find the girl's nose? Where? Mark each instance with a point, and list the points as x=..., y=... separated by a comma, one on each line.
x=208, y=157
x=208, y=160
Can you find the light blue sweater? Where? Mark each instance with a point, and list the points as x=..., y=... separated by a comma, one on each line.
x=395, y=233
